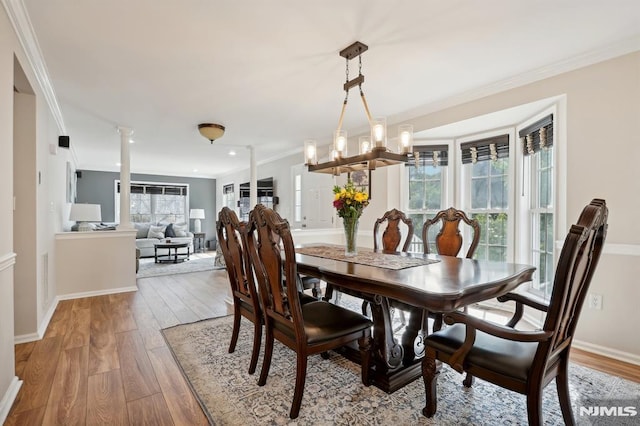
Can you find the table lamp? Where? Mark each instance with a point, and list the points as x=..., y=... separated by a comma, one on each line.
x=85, y=213
x=196, y=214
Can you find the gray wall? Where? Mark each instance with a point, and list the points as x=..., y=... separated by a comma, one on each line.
x=96, y=187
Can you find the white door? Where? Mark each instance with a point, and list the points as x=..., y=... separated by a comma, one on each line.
x=312, y=199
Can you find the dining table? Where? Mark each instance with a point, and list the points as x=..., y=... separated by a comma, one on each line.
x=419, y=284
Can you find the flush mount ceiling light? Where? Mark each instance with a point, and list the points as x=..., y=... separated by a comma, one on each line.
x=373, y=151
x=211, y=131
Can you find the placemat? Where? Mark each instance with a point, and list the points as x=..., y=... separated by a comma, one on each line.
x=366, y=257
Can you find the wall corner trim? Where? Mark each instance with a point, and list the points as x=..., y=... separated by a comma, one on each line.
x=7, y=261
x=9, y=397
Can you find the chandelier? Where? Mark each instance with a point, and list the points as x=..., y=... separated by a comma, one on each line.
x=372, y=149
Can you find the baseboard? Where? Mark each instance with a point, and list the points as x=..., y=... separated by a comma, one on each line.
x=70, y=296
x=42, y=327
x=32, y=337
x=608, y=352
x=9, y=397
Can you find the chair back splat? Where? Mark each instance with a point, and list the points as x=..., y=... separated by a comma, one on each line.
x=449, y=241
x=392, y=236
x=525, y=361
x=307, y=328
x=245, y=297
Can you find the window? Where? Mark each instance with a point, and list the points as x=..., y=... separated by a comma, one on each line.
x=427, y=176
x=228, y=197
x=537, y=147
x=507, y=183
x=486, y=186
x=155, y=202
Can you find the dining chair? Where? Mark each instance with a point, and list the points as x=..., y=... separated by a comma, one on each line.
x=245, y=297
x=525, y=361
x=390, y=239
x=448, y=242
x=308, y=329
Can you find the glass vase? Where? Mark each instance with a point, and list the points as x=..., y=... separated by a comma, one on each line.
x=350, y=235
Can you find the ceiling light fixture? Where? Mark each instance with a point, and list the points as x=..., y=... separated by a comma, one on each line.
x=211, y=131
x=373, y=151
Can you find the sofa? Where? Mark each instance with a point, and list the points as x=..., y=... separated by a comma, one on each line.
x=148, y=235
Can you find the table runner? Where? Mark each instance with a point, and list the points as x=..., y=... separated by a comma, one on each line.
x=365, y=257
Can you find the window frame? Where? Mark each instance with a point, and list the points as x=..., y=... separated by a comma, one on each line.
x=463, y=179
x=527, y=199
x=152, y=202
x=520, y=180
x=448, y=190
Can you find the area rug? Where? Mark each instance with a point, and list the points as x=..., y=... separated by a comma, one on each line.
x=148, y=267
x=334, y=394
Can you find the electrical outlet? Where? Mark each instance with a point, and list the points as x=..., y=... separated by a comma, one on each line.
x=595, y=301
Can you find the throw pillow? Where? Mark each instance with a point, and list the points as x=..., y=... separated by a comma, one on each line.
x=156, y=232
x=180, y=230
x=142, y=229
x=169, y=232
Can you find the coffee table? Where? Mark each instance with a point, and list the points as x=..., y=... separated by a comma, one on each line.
x=175, y=257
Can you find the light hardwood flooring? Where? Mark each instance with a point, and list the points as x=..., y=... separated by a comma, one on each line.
x=103, y=359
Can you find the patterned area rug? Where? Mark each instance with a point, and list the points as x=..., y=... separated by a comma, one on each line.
x=334, y=394
x=148, y=267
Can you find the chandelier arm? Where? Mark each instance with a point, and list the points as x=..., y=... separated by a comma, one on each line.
x=366, y=106
x=344, y=107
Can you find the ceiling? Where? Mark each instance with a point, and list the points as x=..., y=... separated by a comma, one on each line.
x=270, y=71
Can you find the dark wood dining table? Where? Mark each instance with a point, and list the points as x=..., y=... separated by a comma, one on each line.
x=418, y=283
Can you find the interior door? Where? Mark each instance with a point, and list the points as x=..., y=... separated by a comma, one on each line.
x=313, y=208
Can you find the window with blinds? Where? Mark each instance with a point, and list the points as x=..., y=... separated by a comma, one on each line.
x=537, y=146
x=486, y=162
x=485, y=149
x=427, y=181
x=429, y=155
x=537, y=136
x=156, y=202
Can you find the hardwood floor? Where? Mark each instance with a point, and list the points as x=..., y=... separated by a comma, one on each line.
x=103, y=359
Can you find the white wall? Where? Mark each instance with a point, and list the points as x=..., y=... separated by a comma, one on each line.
x=45, y=180
x=603, y=147
x=8, y=380
x=24, y=218
x=93, y=263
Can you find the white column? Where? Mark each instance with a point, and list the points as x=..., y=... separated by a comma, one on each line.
x=125, y=179
x=253, y=179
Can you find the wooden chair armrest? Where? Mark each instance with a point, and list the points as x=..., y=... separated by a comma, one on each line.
x=522, y=299
x=529, y=300
x=472, y=324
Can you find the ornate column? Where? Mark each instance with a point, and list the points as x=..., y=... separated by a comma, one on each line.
x=125, y=179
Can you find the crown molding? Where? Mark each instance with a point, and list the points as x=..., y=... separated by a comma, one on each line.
x=19, y=18
x=610, y=51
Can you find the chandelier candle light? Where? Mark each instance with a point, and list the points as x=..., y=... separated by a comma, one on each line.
x=372, y=150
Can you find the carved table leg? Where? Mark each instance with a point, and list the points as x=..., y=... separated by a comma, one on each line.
x=414, y=334
x=387, y=352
